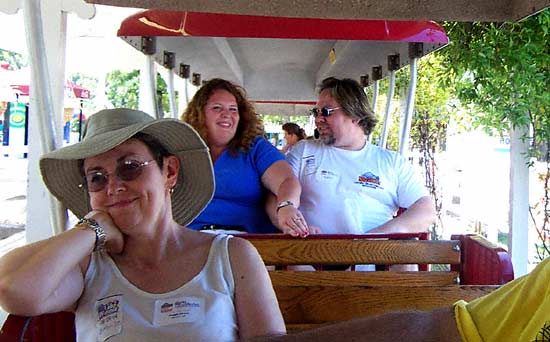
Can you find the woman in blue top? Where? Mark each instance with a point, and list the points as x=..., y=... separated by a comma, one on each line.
x=246, y=165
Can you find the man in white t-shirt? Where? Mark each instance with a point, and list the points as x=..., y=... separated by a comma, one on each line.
x=348, y=185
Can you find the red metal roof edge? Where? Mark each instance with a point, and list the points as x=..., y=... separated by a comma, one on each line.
x=195, y=24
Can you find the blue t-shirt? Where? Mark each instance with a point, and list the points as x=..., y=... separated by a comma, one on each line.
x=239, y=198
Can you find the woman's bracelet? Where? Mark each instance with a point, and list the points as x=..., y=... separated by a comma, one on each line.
x=100, y=235
x=283, y=204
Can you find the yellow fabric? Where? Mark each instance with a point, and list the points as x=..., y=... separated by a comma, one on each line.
x=518, y=311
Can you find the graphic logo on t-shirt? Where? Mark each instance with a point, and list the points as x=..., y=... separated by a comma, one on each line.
x=369, y=179
x=166, y=307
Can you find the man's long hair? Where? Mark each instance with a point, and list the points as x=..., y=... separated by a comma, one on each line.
x=353, y=100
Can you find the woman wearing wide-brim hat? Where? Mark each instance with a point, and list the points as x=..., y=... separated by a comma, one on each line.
x=129, y=269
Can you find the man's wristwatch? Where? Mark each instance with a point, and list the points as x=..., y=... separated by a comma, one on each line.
x=283, y=204
x=99, y=232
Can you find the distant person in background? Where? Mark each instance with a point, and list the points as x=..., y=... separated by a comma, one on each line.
x=293, y=134
x=246, y=165
x=273, y=141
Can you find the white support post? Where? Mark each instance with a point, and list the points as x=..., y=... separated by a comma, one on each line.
x=518, y=237
x=407, y=119
x=375, y=92
x=387, y=117
x=147, y=87
x=183, y=98
x=43, y=219
x=172, y=95
x=45, y=26
x=186, y=92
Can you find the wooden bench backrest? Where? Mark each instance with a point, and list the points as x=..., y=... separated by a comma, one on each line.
x=308, y=299
x=357, y=251
x=472, y=259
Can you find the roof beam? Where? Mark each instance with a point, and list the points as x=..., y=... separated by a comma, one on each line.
x=521, y=9
x=227, y=53
x=438, y=10
x=326, y=68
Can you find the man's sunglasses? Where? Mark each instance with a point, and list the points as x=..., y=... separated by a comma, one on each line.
x=126, y=170
x=324, y=112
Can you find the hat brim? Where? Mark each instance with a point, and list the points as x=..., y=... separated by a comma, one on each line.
x=195, y=186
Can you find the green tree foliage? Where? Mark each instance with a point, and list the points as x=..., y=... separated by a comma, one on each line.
x=162, y=94
x=434, y=105
x=90, y=83
x=392, y=142
x=122, y=89
x=301, y=120
x=504, y=71
x=433, y=111
x=14, y=59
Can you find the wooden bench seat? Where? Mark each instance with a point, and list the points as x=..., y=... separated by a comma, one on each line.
x=468, y=267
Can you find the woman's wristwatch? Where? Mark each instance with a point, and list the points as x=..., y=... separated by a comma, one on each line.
x=283, y=204
x=100, y=235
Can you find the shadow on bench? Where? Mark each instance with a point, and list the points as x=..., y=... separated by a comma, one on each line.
x=309, y=299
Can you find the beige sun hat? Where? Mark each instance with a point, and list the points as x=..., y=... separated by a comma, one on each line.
x=111, y=127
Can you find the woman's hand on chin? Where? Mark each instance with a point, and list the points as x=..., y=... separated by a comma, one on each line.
x=114, y=239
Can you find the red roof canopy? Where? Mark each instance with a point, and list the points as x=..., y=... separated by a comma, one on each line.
x=171, y=23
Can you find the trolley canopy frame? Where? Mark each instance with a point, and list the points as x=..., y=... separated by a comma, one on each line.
x=278, y=60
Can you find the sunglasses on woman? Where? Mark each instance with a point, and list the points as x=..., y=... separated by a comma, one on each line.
x=324, y=112
x=126, y=170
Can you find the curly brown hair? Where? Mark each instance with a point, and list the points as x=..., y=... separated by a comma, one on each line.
x=249, y=126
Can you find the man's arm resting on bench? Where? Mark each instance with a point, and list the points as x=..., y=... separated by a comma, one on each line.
x=413, y=326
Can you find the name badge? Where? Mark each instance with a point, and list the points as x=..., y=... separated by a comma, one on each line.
x=178, y=310
x=109, y=317
x=309, y=167
x=328, y=175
